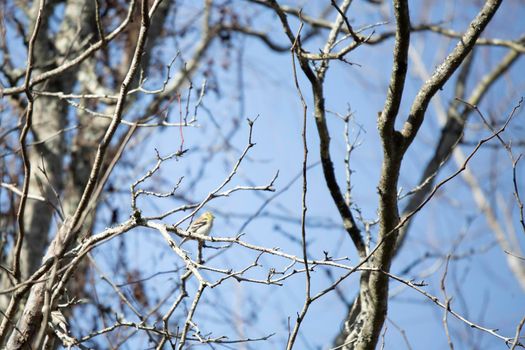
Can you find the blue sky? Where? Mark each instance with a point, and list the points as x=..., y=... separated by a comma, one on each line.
x=482, y=285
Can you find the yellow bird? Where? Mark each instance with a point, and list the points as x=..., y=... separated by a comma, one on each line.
x=201, y=226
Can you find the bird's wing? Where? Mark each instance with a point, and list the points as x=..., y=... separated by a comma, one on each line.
x=197, y=225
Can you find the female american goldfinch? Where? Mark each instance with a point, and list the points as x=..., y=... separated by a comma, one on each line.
x=201, y=226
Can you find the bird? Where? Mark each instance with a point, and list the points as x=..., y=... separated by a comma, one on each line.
x=201, y=226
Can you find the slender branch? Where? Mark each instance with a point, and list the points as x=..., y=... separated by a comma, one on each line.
x=445, y=70
x=308, y=299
